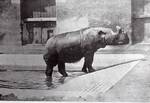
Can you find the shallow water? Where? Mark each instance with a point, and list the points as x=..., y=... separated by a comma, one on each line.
x=32, y=80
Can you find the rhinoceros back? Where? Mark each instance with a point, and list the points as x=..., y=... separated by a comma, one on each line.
x=66, y=45
x=72, y=46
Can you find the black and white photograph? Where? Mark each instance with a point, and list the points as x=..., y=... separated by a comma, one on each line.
x=75, y=50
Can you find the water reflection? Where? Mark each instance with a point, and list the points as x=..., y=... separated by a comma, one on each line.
x=30, y=80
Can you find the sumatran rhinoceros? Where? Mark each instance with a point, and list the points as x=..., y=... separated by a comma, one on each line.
x=70, y=47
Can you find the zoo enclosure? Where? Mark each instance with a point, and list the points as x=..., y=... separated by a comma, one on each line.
x=38, y=20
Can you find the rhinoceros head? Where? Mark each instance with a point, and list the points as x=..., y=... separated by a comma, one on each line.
x=117, y=38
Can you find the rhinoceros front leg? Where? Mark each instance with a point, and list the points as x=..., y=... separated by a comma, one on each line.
x=89, y=61
x=61, y=69
x=84, y=68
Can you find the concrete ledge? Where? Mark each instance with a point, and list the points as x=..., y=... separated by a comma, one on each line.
x=82, y=88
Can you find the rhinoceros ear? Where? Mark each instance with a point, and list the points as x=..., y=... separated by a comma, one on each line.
x=101, y=32
x=119, y=29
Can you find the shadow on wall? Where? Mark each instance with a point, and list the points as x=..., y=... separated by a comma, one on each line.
x=72, y=24
x=103, y=13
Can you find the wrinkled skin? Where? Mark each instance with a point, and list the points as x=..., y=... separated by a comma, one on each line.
x=118, y=38
x=72, y=46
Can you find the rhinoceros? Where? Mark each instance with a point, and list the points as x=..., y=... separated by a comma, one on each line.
x=70, y=47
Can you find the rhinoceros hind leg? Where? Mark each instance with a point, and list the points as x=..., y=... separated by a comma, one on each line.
x=49, y=71
x=61, y=69
x=49, y=81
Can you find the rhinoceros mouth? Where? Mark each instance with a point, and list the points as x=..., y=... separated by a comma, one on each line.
x=109, y=39
x=116, y=40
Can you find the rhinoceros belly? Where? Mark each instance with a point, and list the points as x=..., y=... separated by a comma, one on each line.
x=71, y=54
